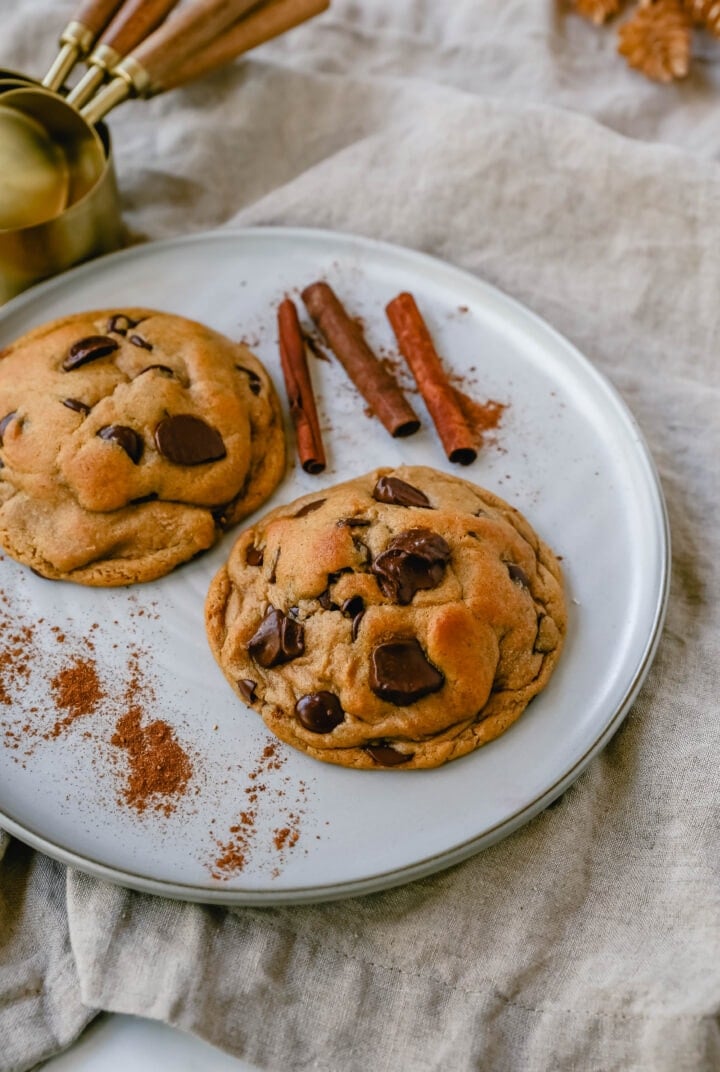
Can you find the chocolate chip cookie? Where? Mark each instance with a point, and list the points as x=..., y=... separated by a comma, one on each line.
x=129, y=439
x=399, y=620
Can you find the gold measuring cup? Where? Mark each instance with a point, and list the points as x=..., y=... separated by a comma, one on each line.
x=49, y=157
x=197, y=39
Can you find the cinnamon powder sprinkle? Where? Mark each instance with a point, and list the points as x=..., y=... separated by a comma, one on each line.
x=481, y=416
x=159, y=768
x=76, y=690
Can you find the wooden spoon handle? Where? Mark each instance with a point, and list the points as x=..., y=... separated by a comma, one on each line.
x=135, y=20
x=268, y=21
x=96, y=14
x=189, y=30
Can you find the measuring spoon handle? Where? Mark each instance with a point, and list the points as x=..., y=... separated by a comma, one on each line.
x=135, y=20
x=179, y=45
x=268, y=21
x=77, y=38
x=96, y=14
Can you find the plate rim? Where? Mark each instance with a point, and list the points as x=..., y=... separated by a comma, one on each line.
x=387, y=879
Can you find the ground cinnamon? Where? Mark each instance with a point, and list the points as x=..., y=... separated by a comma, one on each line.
x=159, y=768
x=77, y=691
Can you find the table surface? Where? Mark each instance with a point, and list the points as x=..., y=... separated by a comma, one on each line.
x=114, y=1043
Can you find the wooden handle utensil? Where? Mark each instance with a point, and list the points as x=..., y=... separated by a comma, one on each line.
x=198, y=39
x=135, y=21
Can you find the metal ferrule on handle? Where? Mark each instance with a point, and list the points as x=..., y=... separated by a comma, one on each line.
x=130, y=79
x=103, y=59
x=76, y=41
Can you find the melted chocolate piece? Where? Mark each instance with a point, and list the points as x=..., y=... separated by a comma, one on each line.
x=353, y=606
x=325, y=601
x=77, y=405
x=137, y=340
x=412, y=561
x=518, y=575
x=246, y=688
x=353, y=522
x=387, y=756
x=125, y=437
x=121, y=324
x=396, y=492
x=187, y=440
x=86, y=350
x=150, y=497
x=401, y=673
x=165, y=369
x=319, y=712
x=278, y=639
x=254, y=555
x=356, y=624
x=363, y=551
x=5, y=422
x=309, y=508
x=255, y=383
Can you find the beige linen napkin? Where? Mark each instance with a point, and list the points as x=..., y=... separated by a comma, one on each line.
x=589, y=940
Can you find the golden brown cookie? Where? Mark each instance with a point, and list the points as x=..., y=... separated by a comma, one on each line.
x=129, y=439
x=401, y=619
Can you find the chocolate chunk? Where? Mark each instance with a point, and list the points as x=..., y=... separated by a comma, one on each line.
x=137, y=340
x=126, y=438
x=319, y=712
x=387, y=756
x=353, y=606
x=412, y=561
x=400, y=672
x=86, y=350
x=151, y=496
x=121, y=324
x=277, y=640
x=353, y=522
x=309, y=508
x=76, y=404
x=255, y=383
x=5, y=422
x=165, y=369
x=246, y=688
x=396, y=492
x=254, y=555
x=187, y=440
x=356, y=624
x=325, y=601
x=362, y=550
x=518, y=574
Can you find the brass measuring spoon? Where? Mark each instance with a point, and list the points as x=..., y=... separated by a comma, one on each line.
x=78, y=38
x=196, y=40
x=57, y=148
x=47, y=158
x=135, y=20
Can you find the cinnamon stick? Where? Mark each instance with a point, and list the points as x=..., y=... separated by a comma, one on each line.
x=299, y=389
x=371, y=378
x=418, y=349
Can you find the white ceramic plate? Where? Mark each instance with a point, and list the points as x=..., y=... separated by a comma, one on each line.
x=568, y=454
